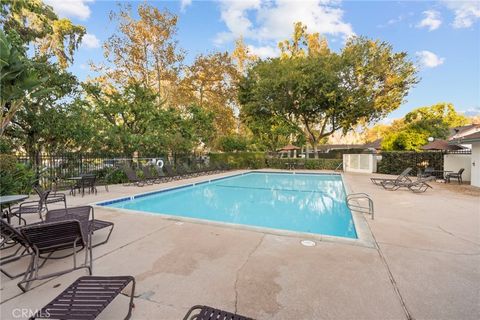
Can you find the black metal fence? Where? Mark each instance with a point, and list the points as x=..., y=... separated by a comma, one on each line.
x=51, y=167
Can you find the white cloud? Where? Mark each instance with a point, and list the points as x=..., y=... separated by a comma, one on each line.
x=265, y=21
x=431, y=20
x=90, y=41
x=184, y=4
x=71, y=8
x=429, y=59
x=466, y=12
x=263, y=52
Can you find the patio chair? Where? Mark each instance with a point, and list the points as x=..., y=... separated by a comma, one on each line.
x=30, y=207
x=50, y=196
x=402, y=177
x=47, y=238
x=133, y=178
x=209, y=313
x=455, y=175
x=93, y=224
x=10, y=234
x=87, y=297
x=418, y=186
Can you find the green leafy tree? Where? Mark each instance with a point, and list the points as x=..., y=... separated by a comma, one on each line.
x=232, y=143
x=413, y=131
x=19, y=80
x=323, y=93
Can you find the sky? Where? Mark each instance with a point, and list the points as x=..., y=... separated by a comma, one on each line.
x=441, y=37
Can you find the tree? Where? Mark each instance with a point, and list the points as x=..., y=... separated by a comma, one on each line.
x=210, y=83
x=242, y=56
x=143, y=50
x=50, y=120
x=19, y=80
x=232, y=143
x=33, y=22
x=413, y=131
x=303, y=44
x=323, y=93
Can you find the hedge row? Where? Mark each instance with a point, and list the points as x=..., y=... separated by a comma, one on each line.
x=239, y=160
x=395, y=162
x=258, y=160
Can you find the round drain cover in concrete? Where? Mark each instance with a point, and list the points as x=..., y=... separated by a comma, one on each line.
x=308, y=243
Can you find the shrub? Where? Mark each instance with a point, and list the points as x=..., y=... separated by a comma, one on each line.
x=112, y=175
x=232, y=143
x=311, y=164
x=395, y=162
x=239, y=160
x=15, y=178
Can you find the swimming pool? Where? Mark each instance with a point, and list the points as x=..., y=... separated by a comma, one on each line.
x=311, y=203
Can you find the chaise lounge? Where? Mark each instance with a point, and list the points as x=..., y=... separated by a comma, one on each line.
x=402, y=177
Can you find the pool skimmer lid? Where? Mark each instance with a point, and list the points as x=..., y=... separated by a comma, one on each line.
x=308, y=243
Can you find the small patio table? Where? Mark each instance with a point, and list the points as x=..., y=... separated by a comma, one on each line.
x=8, y=201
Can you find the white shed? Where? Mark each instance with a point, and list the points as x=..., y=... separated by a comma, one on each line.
x=474, y=140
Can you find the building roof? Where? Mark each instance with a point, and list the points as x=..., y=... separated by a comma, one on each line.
x=441, y=145
x=290, y=147
x=377, y=144
x=459, y=132
x=474, y=137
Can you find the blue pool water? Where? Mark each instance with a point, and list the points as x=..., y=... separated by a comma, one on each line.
x=312, y=203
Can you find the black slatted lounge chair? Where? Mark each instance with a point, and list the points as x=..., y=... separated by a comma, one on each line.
x=160, y=175
x=94, y=224
x=209, y=313
x=171, y=174
x=10, y=234
x=148, y=176
x=133, y=178
x=47, y=238
x=402, y=177
x=417, y=186
x=86, y=298
x=182, y=172
x=50, y=197
x=455, y=175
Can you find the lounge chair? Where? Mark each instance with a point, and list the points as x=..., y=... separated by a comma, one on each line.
x=418, y=186
x=87, y=297
x=94, y=224
x=160, y=175
x=50, y=197
x=455, y=175
x=133, y=178
x=171, y=174
x=209, y=313
x=44, y=239
x=148, y=176
x=402, y=177
x=9, y=234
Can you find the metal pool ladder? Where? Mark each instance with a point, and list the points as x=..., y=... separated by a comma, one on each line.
x=359, y=208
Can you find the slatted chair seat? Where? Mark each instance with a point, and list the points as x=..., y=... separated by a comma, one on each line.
x=86, y=298
x=93, y=224
x=209, y=313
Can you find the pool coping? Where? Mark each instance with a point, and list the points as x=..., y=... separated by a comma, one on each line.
x=364, y=234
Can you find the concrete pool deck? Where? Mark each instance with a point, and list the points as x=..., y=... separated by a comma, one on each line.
x=426, y=263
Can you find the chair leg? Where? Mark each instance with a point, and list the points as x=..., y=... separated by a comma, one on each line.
x=131, y=305
x=106, y=240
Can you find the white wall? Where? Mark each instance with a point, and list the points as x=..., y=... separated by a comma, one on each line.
x=455, y=162
x=366, y=163
x=475, y=166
